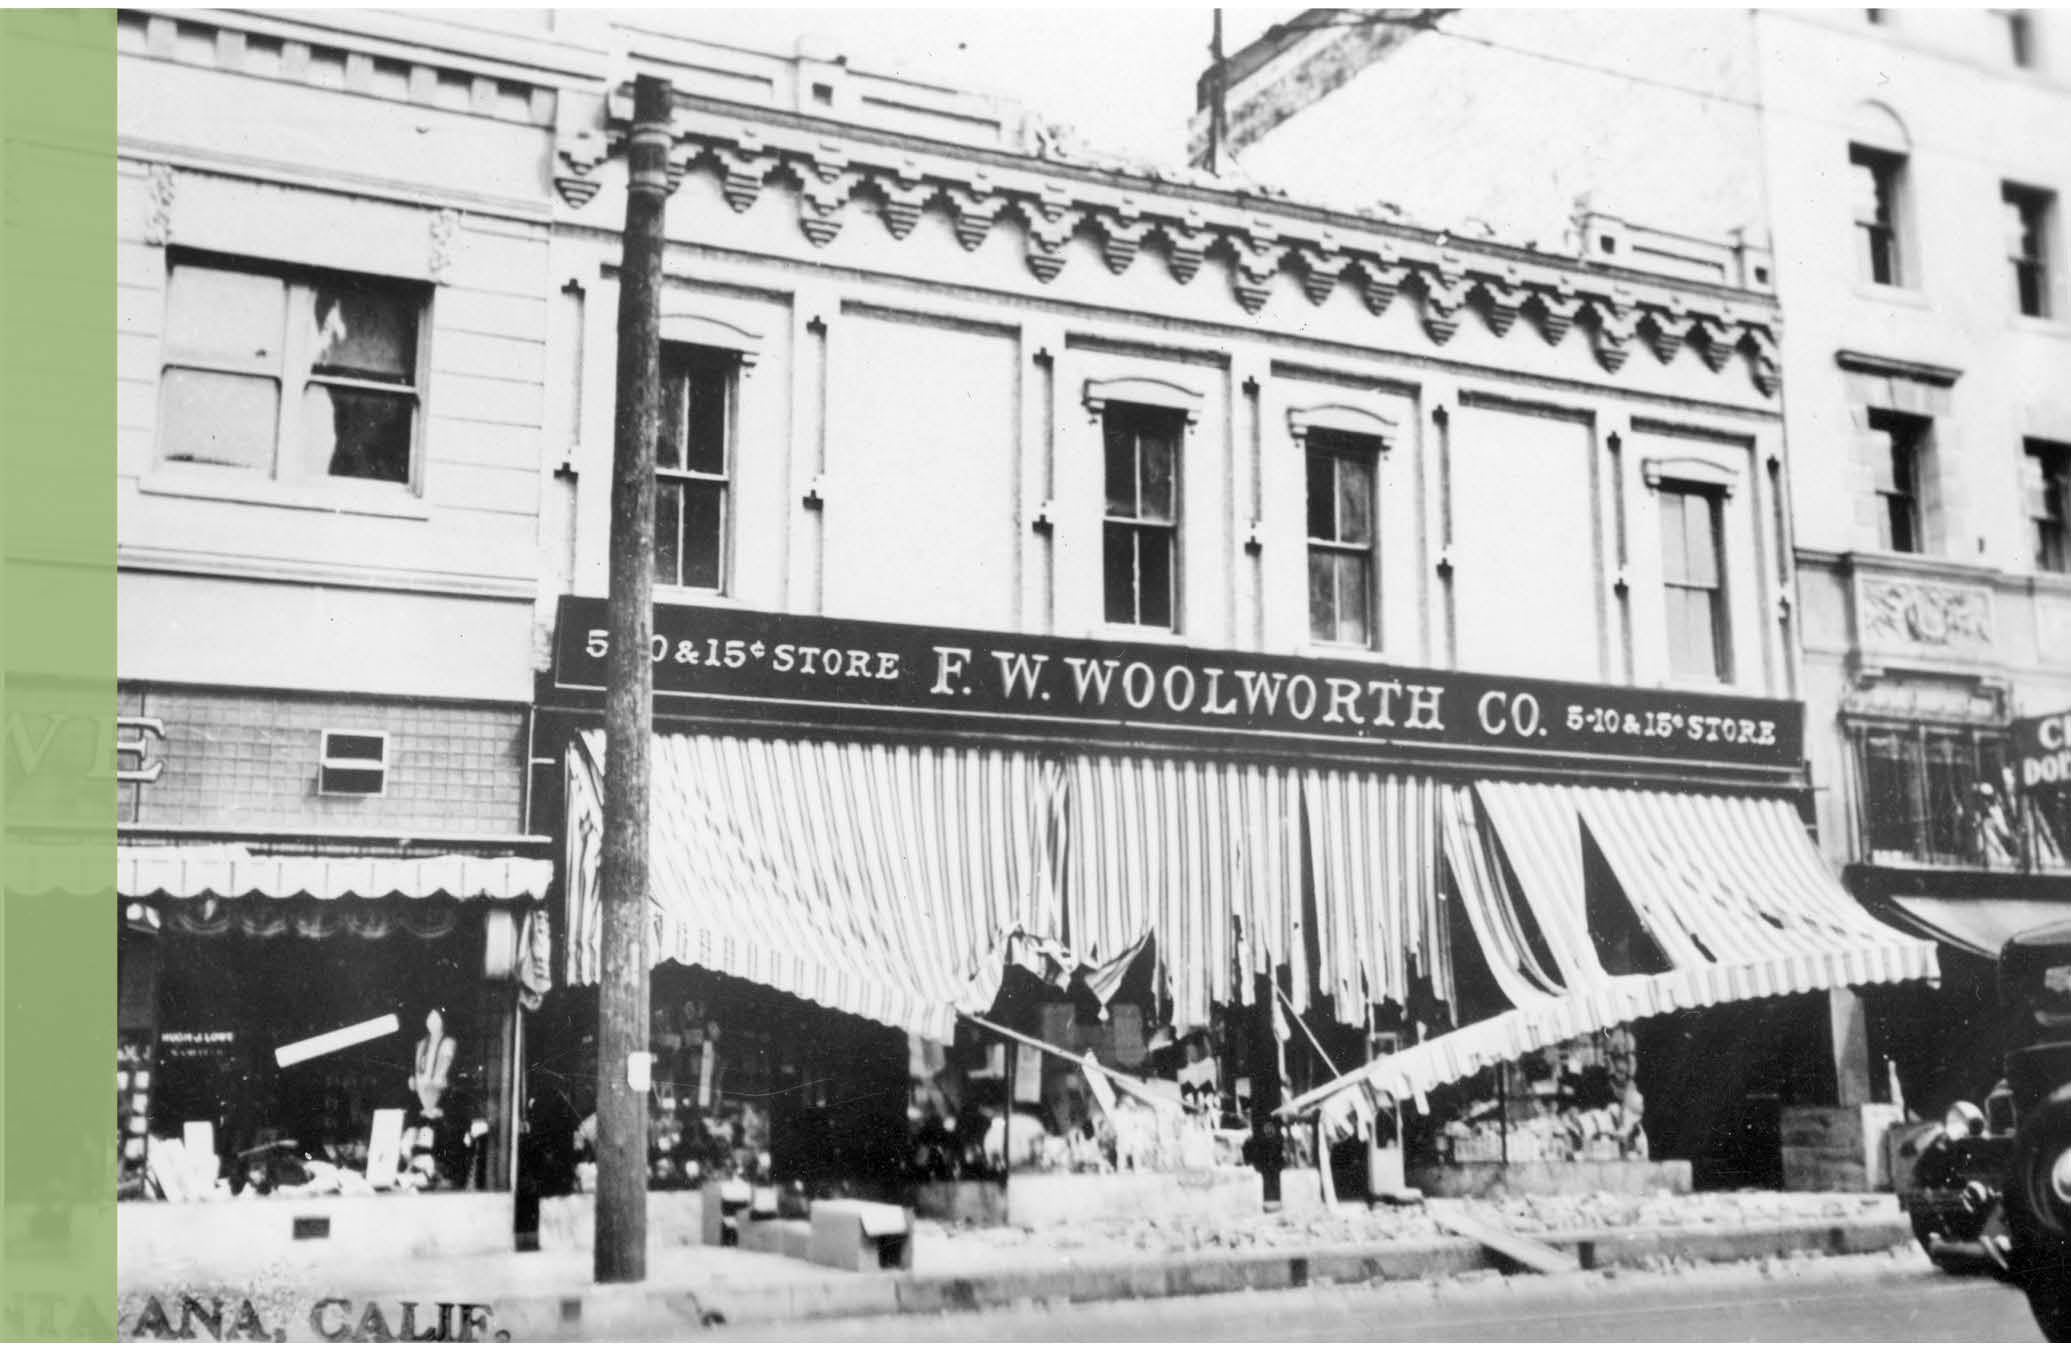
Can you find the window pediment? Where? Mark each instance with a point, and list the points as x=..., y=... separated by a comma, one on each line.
x=1689, y=471
x=1146, y=390
x=1341, y=417
x=700, y=330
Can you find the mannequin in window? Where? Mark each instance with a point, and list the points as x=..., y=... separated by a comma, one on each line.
x=431, y=1069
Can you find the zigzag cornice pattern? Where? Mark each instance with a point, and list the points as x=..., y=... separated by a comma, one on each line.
x=1269, y=253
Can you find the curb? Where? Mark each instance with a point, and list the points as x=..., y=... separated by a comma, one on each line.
x=630, y=1313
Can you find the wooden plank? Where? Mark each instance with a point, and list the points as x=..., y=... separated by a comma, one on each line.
x=1526, y=1252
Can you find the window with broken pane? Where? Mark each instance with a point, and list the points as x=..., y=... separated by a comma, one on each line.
x=290, y=374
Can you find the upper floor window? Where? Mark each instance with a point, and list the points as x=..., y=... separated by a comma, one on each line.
x=1693, y=584
x=2048, y=485
x=1141, y=531
x=1899, y=458
x=2027, y=224
x=692, y=466
x=2020, y=37
x=1935, y=794
x=1877, y=177
x=1341, y=537
x=290, y=374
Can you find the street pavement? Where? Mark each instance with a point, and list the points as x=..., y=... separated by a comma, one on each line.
x=1888, y=1297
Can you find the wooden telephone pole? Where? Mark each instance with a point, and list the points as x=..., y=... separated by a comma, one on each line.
x=622, y=1064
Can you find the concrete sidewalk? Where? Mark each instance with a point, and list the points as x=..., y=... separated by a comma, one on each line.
x=550, y=1295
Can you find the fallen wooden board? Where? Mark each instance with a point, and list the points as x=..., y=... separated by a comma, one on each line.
x=1526, y=1252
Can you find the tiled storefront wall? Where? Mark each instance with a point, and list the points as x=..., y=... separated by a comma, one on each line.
x=238, y=759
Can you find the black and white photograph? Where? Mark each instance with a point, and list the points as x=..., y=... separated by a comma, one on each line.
x=1133, y=674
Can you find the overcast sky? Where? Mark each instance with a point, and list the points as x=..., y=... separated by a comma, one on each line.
x=1123, y=77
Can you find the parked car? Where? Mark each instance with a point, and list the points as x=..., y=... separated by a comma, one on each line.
x=2035, y=978
x=1953, y=1194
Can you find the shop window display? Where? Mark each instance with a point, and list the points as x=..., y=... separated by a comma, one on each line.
x=385, y=1083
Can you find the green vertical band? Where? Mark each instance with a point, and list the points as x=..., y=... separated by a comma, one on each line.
x=57, y=652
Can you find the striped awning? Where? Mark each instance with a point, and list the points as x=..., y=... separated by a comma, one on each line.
x=1730, y=888
x=1205, y=856
x=185, y=872
x=884, y=881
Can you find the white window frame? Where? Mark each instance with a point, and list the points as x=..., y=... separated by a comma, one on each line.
x=326, y=761
x=735, y=361
x=291, y=373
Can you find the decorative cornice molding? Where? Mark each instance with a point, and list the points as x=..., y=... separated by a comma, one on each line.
x=1444, y=278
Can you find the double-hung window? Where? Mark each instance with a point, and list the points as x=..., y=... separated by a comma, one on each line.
x=1141, y=530
x=693, y=460
x=293, y=375
x=1898, y=462
x=2027, y=226
x=1341, y=537
x=1877, y=178
x=1693, y=584
x=2048, y=492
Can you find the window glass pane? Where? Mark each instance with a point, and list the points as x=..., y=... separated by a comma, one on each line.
x=211, y=418
x=356, y=433
x=1675, y=549
x=705, y=422
x=1888, y=793
x=668, y=433
x=227, y=318
x=668, y=532
x=1951, y=774
x=704, y=522
x=1119, y=549
x=1154, y=567
x=1355, y=500
x=1355, y=599
x=1866, y=187
x=1121, y=468
x=1323, y=596
x=358, y=329
x=1704, y=546
x=2017, y=224
x=1156, y=448
x=1322, y=497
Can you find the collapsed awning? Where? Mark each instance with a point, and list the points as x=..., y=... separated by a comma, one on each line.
x=1730, y=889
x=231, y=872
x=1978, y=926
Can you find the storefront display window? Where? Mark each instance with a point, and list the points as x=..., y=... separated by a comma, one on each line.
x=306, y=1049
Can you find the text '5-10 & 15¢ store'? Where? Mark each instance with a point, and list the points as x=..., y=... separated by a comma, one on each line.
x=1169, y=910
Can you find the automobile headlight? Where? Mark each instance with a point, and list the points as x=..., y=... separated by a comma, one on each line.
x=2060, y=1178
x=1963, y=1121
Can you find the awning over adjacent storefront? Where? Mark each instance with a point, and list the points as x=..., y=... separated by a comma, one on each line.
x=1730, y=889
x=1978, y=926
x=230, y=872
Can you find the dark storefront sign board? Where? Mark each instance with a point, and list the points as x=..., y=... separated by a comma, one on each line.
x=2042, y=752
x=811, y=671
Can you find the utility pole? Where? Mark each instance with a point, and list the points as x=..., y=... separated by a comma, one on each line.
x=622, y=1021
x=1218, y=105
